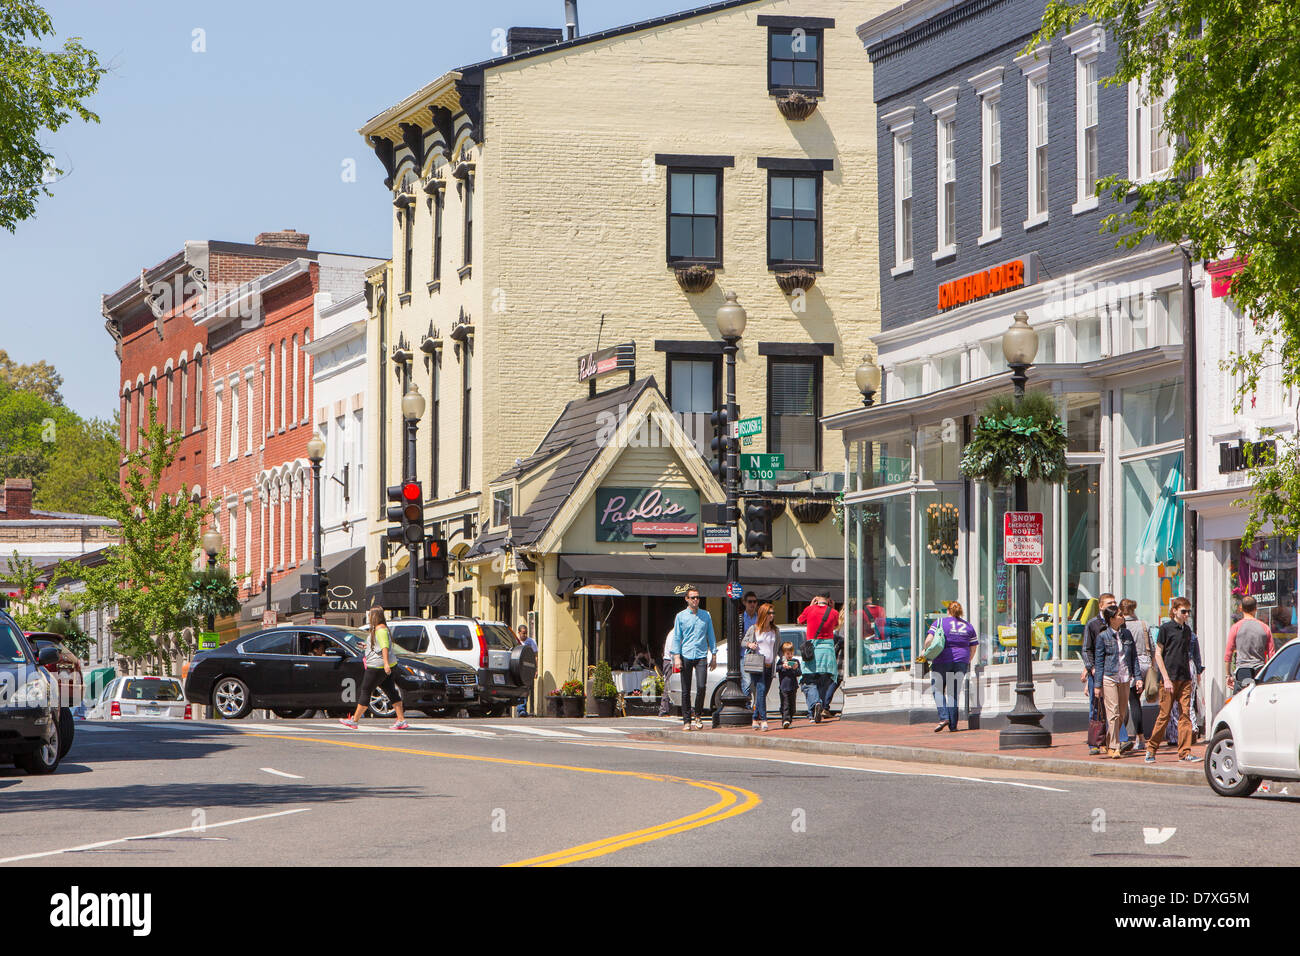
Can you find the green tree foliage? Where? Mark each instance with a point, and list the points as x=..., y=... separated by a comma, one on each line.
x=29, y=430
x=39, y=377
x=148, y=576
x=35, y=607
x=82, y=469
x=1017, y=438
x=1234, y=187
x=40, y=90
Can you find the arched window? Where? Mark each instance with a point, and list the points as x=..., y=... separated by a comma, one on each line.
x=185, y=393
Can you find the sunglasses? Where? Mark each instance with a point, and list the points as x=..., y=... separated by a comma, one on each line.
x=693, y=597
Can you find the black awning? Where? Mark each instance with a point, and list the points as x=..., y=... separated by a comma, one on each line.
x=770, y=578
x=392, y=593
x=347, y=574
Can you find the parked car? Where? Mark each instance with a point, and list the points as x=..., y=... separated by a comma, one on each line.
x=29, y=702
x=505, y=668
x=1256, y=736
x=795, y=634
x=152, y=698
x=278, y=669
x=68, y=678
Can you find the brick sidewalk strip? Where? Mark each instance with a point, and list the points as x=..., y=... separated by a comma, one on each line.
x=966, y=748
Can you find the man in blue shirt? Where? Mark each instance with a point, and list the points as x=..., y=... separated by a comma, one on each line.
x=692, y=638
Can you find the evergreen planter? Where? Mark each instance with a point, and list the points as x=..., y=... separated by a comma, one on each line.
x=605, y=706
x=1017, y=439
x=571, y=706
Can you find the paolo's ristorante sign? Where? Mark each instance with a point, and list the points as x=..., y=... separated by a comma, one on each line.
x=632, y=514
x=1001, y=278
x=616, y=358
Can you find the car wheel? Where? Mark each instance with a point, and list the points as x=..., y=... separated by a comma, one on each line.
x=231, y=699
x=716, y=704
x=45, y=759
x=288, y=713
x=67, y=729
x=380, y=705
x=1222, y=770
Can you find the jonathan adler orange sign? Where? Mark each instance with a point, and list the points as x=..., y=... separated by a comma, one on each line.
x=1003, y=278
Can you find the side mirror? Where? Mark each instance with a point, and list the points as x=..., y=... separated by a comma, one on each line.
x=335, y=652
x=48, y=657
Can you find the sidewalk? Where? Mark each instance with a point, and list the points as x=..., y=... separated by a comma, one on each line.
x=966, y=748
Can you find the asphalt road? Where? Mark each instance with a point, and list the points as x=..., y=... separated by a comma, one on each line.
x=494, y=792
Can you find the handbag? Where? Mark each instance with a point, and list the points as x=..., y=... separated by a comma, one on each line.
x=1096, y=733
x=1151, y=685
x=753, y=663
x=934, y=642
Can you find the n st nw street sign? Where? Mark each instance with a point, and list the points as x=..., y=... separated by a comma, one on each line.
x=1022, y=537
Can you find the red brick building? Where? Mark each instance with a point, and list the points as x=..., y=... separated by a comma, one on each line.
x=258, y=412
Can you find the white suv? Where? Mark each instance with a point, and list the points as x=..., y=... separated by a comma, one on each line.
x=506, y=668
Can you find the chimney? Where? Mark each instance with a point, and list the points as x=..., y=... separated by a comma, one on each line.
x=523, y=39
x=571, y=18
x=17, y=498
x=289, y=238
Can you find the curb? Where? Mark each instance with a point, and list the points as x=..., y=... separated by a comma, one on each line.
x=956, y=758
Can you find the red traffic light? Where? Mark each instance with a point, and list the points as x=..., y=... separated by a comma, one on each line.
x=411, y=491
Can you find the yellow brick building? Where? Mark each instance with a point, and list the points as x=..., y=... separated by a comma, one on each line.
x=553, y=201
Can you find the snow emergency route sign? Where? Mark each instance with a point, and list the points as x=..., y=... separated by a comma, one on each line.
x=1022, y=537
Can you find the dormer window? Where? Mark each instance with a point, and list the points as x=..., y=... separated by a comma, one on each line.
x=502, y=506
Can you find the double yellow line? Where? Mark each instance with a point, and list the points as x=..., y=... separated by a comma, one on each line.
x=732, y=801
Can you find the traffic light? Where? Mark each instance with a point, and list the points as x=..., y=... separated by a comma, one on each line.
x=758, y=525
x=434, y=567
x=722, y=441
x=407, y=511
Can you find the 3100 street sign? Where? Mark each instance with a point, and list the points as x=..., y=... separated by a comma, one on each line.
x=770, y=462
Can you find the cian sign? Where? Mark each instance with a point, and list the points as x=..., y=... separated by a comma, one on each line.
x=634, y=514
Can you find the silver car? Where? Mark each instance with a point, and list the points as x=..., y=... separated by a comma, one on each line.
x=149, y=698
x=795, y=634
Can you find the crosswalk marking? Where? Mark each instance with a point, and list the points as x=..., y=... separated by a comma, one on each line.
x=536, y=731
x=598, y=730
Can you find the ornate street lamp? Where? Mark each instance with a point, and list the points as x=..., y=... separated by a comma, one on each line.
x=413, y=405
x=315, y=455
x=734, y=709
x=867, y=378
x=66, y=606
x=212, y=545
x=1025, y=723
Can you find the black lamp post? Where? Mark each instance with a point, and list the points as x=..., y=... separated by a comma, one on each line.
x=867, y=378
x=734, y=709
x=315, y=455
x=1025, y=723
x=212, y=543
x=412, y=411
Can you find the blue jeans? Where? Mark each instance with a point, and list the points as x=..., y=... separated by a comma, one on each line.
x=760, y=683
x=810, y=697
x=948, y=681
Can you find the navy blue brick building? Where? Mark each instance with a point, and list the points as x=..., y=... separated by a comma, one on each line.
x=989, y=157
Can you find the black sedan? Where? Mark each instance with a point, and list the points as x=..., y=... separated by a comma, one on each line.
x=296, y=670
x=29, y=702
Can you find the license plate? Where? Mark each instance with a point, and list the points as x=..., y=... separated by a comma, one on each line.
x=153, y=711
x=499, y=679
x=467, y=692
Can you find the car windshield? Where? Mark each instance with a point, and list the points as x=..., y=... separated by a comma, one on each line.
x=11, y=651
x=152, y=690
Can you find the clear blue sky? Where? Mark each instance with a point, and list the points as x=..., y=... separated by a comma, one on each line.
x=246, y=137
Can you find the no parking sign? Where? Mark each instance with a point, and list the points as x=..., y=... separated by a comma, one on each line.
x=1022, y=537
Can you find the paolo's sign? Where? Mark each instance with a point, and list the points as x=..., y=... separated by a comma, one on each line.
x=633, y=514
x=1003, y=278
x=616, y=358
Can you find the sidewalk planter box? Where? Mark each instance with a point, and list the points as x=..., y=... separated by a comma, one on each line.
x=571, y=706
x=605, y=706
x=553, y=705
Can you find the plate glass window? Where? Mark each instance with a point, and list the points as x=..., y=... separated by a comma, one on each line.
x=903, y=190
x=1038, y=147
x=992, y=165
x=1089, y=129
x=794, y=60
x=948, y=184
x=794, y=226
x=693, y=216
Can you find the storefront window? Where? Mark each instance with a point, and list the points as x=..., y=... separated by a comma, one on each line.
x=1083, y=557
x=1266, y=570
x=996, y=358
x=1083, y=421
x=887, y=461
x=1046, y=347
x=940, y=450
x=880, y=582
x=1152, y=541
x=995, y=613
x=1152, y=414
x=1087, y=339
x=948, y=371
x=939, y=528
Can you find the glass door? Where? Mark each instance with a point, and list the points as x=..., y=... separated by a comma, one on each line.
x=940, y=563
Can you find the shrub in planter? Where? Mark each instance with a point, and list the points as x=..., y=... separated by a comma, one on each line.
x=604, y=690
x=1024, y=439
x=571, y=698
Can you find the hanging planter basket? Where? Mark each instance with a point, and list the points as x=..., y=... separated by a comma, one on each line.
x=778, y=508
x=796, y=279
x=796, y=106
x=1024, y=439
x=811, y=512
x=694, y=278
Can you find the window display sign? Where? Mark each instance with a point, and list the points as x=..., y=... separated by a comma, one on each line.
x=634, y=514
x=1022, y=537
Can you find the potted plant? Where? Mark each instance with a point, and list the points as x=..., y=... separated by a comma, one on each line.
x=605, y=690
x=571, y=694
x=1017, y=439
x=553, y=703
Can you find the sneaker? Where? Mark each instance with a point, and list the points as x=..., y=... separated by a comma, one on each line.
x=817, y=713
x=785, y=725
x=762, y=727
x=1092, y=751
x=348, y=722
x=1190, y=758
x=686, y=727
x=1126, y=746
x=1149, y=758
x=400, y=725
x=699, y=724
